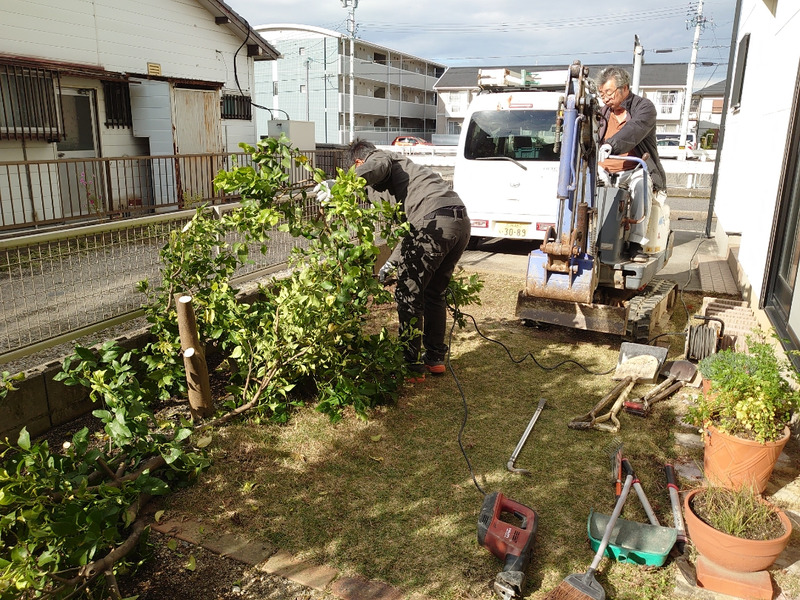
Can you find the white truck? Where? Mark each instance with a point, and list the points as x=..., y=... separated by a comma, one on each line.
x=506, y=168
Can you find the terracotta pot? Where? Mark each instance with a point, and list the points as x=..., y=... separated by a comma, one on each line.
x=734, y=553
x=732, y=462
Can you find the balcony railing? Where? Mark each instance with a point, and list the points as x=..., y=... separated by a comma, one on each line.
x=64, y=191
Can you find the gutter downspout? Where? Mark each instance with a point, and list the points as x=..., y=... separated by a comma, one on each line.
x=725, y=103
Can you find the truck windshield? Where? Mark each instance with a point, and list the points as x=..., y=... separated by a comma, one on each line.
x=519, y=134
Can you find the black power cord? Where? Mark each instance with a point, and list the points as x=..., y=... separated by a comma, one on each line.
x=236, y=78
x=456, y=313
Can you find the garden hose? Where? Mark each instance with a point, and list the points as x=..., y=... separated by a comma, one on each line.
x=703, y=340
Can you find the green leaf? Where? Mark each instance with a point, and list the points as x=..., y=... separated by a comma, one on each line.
x=191, y=565
x=172, y=544
x=158, y=515
x=24, y=440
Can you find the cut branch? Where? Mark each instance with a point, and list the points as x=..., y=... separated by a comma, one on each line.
x=194, y=359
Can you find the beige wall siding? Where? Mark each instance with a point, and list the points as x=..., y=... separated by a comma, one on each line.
x=179, y=35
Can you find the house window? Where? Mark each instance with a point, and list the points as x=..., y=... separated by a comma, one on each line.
x=28, y=105
x=236, y=107
x=738, y=75
x=716, y=107
x=117, y=97
x=302, y=88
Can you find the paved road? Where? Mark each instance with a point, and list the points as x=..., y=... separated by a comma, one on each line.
x=688, y=221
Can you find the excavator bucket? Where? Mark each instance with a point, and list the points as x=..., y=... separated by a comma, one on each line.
x=578, y=315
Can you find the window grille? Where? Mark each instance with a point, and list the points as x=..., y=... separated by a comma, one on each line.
x=117, y=97
x=28, y=103
x=738, y=74
x=236, y=107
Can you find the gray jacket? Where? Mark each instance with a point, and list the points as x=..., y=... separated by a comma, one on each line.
x=415, y=187
x=637, y=136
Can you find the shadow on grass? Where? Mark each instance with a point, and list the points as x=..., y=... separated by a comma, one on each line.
x=393, y=499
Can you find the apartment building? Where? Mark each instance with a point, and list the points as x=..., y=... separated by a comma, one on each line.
x=393, y=91
x=663, y=83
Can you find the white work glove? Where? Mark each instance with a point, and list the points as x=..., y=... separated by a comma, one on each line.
x=602, y=176
x=387, y=273
x=604, y=152
x=323, y=190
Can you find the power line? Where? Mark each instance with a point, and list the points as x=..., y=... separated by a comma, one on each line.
x=596, y=21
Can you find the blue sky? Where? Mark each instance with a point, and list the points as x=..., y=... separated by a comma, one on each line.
x=521, y=32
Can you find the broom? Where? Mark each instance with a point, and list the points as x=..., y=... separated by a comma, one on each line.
x=580, y=586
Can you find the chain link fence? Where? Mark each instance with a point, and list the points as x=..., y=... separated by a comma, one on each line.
x=59, y=285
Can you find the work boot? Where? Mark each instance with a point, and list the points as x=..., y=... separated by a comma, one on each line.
x=434, y=367
x=415, y=373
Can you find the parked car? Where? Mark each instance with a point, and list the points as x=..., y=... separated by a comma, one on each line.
x=408, y=140
x=669, y=147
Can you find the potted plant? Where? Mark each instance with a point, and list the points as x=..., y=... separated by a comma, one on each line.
x=736, y=529
x=745, y=415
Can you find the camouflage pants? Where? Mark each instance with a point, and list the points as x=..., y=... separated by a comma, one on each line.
x=428, y=258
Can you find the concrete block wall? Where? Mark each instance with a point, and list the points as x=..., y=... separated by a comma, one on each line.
x=40, y=402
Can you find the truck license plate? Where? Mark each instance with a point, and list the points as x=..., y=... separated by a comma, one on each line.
x=512, y=230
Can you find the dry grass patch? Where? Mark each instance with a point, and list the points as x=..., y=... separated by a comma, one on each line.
x=392, y=498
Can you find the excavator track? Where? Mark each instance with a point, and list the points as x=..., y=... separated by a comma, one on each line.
x=646, y=309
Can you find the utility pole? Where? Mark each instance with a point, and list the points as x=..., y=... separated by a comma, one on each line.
x=351, y=27
x=638, y=54
x=699, y=23
x=308, y=91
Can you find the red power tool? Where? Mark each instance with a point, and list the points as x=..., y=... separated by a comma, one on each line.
x=509, y=542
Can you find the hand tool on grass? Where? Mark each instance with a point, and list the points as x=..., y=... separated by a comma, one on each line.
x=510, y=464
x=677, y=373
x=632, y=542
x=637, y=485
x=508, y=541
x=636, y=363
x=614, y=451
x=583, y=586
x=679, y=550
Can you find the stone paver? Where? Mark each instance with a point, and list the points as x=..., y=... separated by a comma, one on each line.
x=357, y=588
x=716, y=276
x=305, y=573
x=222, y=543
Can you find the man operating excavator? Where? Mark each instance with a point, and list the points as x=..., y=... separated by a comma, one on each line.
x=628, y=128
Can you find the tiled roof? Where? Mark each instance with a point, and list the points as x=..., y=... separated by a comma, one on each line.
x=715, y=89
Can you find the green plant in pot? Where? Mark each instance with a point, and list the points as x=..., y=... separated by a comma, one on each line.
x=736, y=529
x=745, y=416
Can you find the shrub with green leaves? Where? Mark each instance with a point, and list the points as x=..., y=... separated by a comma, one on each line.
x=302, y=332
x=751, y=396
x=70, y=516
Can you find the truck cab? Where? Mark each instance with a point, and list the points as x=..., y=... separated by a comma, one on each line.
x=506, y=168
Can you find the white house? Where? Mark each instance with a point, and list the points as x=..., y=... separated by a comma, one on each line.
x=663, y=83
x=393, y=91
x=757, y=194
x=84, y=79
x=706, y=111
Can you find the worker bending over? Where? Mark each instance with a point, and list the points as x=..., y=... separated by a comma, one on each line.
x=425, y=258
x=628, y=128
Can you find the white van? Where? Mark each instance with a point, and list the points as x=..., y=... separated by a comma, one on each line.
x=506, y=168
